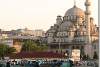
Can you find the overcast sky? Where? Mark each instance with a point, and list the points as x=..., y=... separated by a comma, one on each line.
x=37, y=14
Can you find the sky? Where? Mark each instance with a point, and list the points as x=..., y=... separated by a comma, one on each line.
x=37, y=14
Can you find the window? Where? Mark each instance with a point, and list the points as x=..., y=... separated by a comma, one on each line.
x=67, y=18
x=77, y=47
x=78, y=33
x=73, y=47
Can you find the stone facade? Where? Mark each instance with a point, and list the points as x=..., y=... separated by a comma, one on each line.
x=71, y=31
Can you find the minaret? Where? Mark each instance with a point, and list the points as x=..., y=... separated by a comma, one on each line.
x=74, y=3
x=88, y=47
x=87, y=20
x=59, y=20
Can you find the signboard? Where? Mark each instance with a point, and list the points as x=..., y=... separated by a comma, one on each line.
x=76, y=54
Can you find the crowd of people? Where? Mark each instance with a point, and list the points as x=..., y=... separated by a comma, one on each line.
x=27, y=63
x=20, y=64
x=40, y=63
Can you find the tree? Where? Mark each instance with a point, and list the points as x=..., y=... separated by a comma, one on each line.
x=42, y=48
x=5, y=50
x=30, y=45
x=27, y=45
x=11, y=50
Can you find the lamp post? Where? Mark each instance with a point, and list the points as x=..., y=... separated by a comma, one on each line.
x=59, y=45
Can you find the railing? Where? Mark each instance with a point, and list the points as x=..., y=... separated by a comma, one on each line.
x=68, y=43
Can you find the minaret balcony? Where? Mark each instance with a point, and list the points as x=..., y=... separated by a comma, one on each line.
x=87, y=12
x=70, y=43
x=87, y=3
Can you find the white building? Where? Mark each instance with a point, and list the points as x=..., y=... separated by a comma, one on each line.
x=73, y=31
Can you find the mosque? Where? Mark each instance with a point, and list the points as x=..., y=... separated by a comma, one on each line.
x=75, y=30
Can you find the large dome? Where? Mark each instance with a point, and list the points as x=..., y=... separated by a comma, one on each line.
x=75, y=11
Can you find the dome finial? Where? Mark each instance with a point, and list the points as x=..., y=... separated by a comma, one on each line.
x=74, y=3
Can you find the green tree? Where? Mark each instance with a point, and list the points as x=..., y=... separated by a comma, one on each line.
x=30, y=45
x=27, y=45
x=5, y=50
x=11, y=50
x=42, y=47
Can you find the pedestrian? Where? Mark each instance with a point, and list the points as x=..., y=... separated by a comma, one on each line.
x=36, y=64
x=8, y=64
x=65, y=64
x=53, y=65
x=71, y=63
x=22, y=64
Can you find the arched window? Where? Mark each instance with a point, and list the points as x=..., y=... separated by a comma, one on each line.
x=72, y=18
x=67, y=18
x=78, y=33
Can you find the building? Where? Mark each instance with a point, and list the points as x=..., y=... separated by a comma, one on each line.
x=95, y=45
x=39, y=33
x=76, y=30
x=15, y=38
x=35, y=33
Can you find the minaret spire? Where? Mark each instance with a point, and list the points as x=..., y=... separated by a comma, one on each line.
x=74, y=3
x=87, y=20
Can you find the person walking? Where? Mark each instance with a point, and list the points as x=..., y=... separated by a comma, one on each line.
x=53, y=65
x=71, y=63
x=36, y=64
x=65, y=64
x=8, y=64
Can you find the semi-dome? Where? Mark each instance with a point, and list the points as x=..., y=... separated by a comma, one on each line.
x=75, y=11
